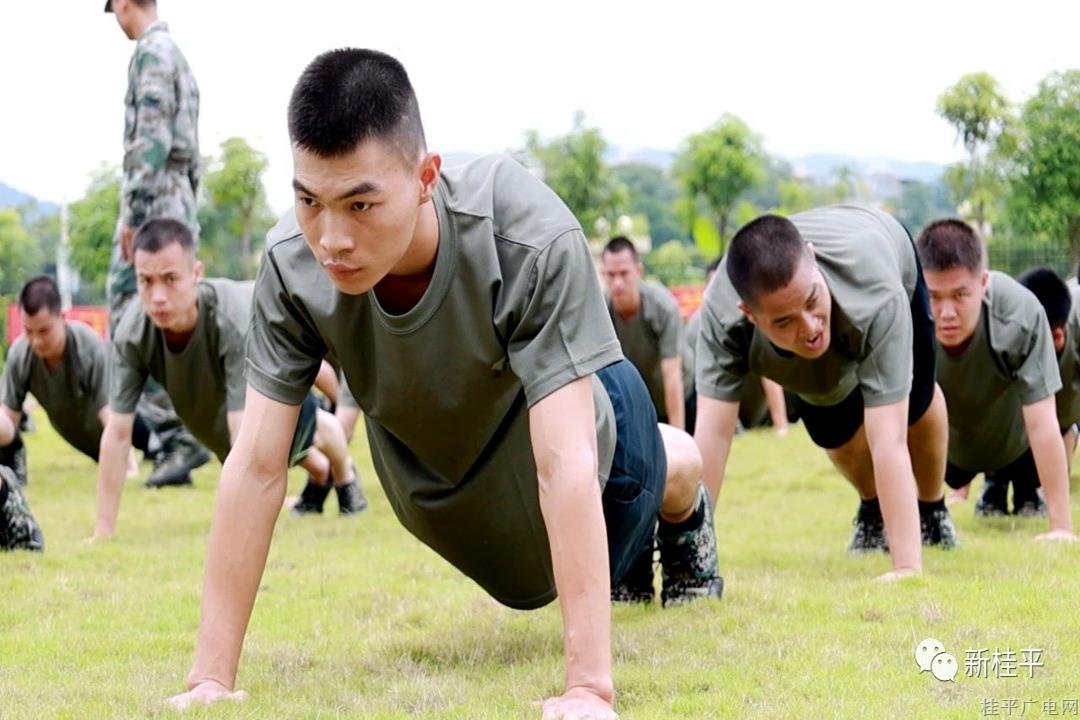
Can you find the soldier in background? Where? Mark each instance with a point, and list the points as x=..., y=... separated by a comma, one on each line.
x=161, y=176
x=762, y=401
x=647, y=323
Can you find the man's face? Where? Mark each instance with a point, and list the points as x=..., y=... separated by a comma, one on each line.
x=123, y=11
x=168, y=281
x=358, y=211
x=45, y=332
x=956, y=297
x=796, y=317
x=621, y=271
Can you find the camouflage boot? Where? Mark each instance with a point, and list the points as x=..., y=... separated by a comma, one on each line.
x=18, y=529
x=637, y=585
x=688, y=556
x=312, y=498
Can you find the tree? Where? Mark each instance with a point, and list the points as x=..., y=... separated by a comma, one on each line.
x=20, y=258
x=573, y=166
x=236, y=210
x=675, y=263
x=93, y=227
x=718, y=165
x=919, y=203
x=1044, y=183
x=651, y=192
x=979, y=111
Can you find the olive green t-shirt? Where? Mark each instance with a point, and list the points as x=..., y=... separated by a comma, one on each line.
x=1010, y=362
x=72, y=393
x=651, y=335
x=513, y=312
x=753, y=406
x=1068, y=398
x=868, y=262
x=204, y=380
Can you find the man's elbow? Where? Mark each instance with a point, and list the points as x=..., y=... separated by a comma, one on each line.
x=570, y=468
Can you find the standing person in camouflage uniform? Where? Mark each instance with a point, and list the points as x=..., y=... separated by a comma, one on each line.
x=161, y=176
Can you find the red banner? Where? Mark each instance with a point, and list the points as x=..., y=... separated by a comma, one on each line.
x=94, y=316
x=689, y=298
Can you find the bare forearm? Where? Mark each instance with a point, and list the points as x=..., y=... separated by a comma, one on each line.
x=112, y=468
x=573, y=515
x=895, y=482
x=774, y=398
x=244, y=515
x=327, y=382
x=7, y=430
x=674, y=395
x=1049, y=452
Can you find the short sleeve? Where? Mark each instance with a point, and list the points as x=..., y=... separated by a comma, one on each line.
x=1037, y=373
x=127, y=375
x=96, y=354
x=884, y=370
x=668, y=325
x=232, y=357
x=722, y=356
x=284, y=350
x=564, y=331
x=13, y=385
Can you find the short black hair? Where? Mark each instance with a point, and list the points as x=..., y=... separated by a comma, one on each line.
x=763, y=256
x=620, y=243
x=713, y=265
x=1052, y=292
x=347, y=96
x=158, y=233
x=40, y=292
x=950, y=243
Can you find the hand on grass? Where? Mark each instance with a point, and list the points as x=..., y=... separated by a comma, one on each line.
x=205, y=693
x=897, y=575
x=578, y=704
x=98, y=537
x=1057, y=535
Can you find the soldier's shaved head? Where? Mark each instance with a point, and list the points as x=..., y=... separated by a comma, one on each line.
x=347, y=96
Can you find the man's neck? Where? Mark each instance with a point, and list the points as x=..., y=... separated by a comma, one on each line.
x=406, y=284
x=630, y=307
x=54, y=362
x=145, y=20
x=178, y=338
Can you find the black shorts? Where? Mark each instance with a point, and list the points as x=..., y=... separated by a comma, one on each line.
x=1021, y=471
x=832, y=426
x=635, y=486
x=304, y=435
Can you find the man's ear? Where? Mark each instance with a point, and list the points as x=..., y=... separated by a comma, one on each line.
x=430, y=166
x=1058, y=334
x=747, y=312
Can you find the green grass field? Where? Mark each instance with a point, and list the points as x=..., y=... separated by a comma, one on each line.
x=357, y=619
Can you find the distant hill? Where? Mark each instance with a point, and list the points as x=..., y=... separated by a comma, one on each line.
x=823, y=165
x=12, y=198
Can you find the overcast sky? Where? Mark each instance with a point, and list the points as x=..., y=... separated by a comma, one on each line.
x=857, y=78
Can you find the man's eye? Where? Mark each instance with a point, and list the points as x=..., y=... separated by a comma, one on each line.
x=307, y=201
x=360, y=206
